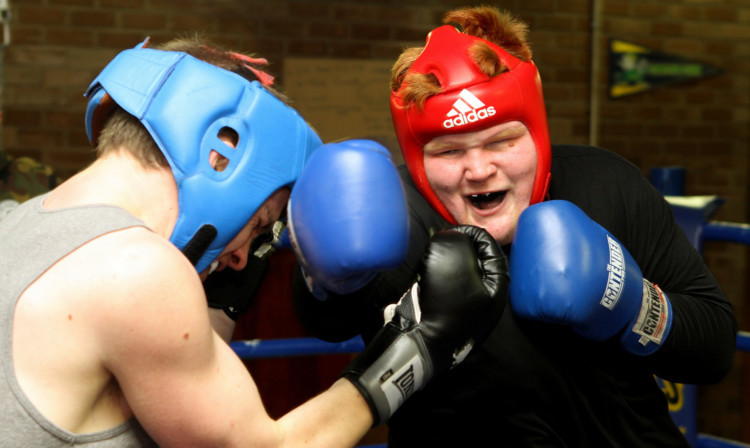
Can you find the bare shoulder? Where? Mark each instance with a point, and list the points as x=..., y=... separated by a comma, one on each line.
x=136, y=264
x=117, y=274
x=108, y=305
x=148, y=287
x=156, y=339
x=123, y=291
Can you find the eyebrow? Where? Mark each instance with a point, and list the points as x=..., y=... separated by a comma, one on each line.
x=432, y=147
x=508, y=132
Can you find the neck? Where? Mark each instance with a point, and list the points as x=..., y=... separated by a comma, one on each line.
x=149, y=194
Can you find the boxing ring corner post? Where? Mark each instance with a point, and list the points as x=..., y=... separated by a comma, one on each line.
x=693, y=214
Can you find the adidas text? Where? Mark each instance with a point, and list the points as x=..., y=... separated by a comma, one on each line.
x=471, y=117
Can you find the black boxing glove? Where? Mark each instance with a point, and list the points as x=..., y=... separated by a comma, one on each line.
x=457, y=300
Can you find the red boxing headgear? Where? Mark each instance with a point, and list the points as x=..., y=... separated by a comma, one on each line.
x=470, y=101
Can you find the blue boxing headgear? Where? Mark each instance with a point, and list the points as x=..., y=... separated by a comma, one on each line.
x=184, y=102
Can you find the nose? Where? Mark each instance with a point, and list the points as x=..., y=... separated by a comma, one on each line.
x=238, y=257
x=478, y=165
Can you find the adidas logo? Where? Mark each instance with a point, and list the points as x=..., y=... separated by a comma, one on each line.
x=467, y=109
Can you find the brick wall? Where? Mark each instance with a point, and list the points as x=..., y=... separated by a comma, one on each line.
x=58, y=46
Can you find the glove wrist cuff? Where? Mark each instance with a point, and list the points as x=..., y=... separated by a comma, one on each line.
x=388, y=378
x=650, y=327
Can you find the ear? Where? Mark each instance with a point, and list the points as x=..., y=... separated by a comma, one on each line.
x=217, y=161
x=231, y=138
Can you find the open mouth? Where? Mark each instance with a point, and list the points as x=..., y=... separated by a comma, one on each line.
x=486, y=201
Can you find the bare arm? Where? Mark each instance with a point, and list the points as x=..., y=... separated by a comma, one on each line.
x=184, y=383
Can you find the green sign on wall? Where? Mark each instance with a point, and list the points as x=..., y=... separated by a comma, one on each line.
x=635, y=69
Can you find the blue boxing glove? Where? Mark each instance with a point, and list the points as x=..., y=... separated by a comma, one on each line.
x=347, y=217
x=566, y=269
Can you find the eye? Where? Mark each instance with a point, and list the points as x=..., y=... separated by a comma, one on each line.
x=446, y=152
x=496, y=144
x=507, y=141
x=231, y=138
x=221, y=161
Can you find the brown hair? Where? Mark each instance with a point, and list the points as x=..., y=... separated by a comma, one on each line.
x=486, y=22
x=122, y=131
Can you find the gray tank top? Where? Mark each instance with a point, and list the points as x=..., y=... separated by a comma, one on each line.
x=31, y=240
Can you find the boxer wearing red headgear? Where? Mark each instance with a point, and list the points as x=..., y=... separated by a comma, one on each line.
x=605, y=291
x=477, y=86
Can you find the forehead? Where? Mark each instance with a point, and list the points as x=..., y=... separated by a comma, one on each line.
x=269, y=212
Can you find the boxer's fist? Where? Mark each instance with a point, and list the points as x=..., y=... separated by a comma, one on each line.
x=347, y=216
x=456, y=302
x=567, y=269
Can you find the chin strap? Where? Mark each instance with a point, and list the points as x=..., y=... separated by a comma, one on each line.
x=199, y=243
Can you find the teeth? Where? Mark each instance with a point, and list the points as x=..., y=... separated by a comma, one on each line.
x=485, y=200
x=481, y=196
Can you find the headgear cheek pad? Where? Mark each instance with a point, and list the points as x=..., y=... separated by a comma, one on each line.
x=184, y=103
x=470, y=101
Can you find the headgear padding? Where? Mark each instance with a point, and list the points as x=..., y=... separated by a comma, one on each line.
x=470, y=101
x=184, y=103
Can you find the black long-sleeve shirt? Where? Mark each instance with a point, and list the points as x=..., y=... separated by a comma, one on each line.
x=532, y=384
